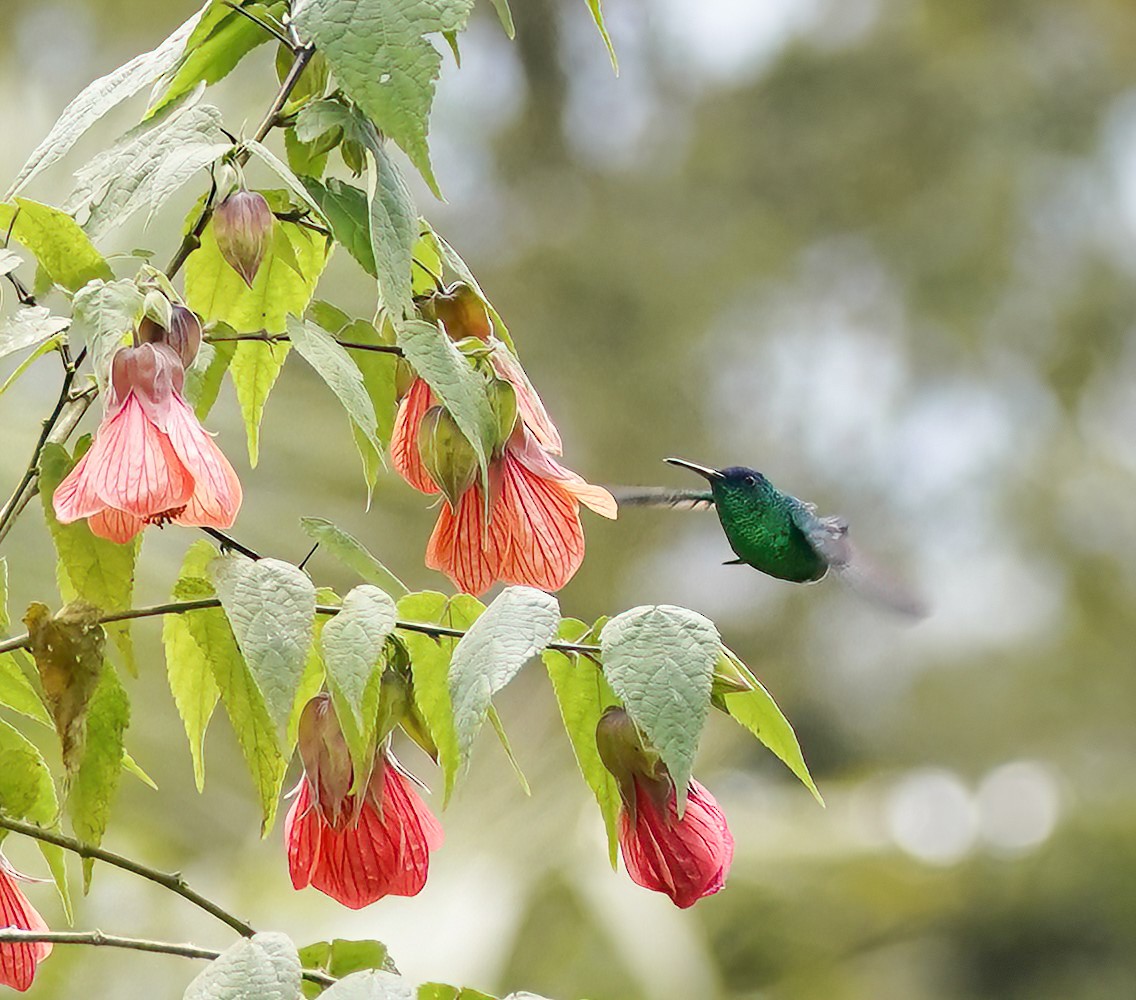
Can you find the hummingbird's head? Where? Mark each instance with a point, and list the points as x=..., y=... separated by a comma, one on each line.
x=737, y=477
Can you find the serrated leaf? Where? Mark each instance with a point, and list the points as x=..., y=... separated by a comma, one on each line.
x=26, y=788
x=263, y=967
x=334, y=365
x=758, y=712
x=371, y=985
x=452, y=380
x=104, y=314
x=345, y=208
x=244, y=704
x=281, y=169
x=271, y=606
x=29, y=326
x=97, y=98
x=356, y=36
x=394, y=228
x=221, y=39
x=17, y=693
x=255, y=367
x=92, y=568
x=341, y=957
x=203, y=378
x=189, y=672
x=95, y=782
x=147, y=165
x=45, y=348
x=582, y=694
x=63, y=250
x=430, y=664
x=349, y=551
x=505, y=16
x=660, y=661
x=516, y=626
x=596, y=9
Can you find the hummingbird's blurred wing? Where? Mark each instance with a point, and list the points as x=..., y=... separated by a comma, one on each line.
x=661, y=496
x=829, y=538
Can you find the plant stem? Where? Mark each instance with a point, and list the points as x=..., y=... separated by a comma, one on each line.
x=180, y=607
x=276, y=338
x=12, y=935
x=172, y=881
x=270, y=28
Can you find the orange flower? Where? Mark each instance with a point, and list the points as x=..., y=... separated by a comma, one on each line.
x=533, y=535
x=152, y=462
x=19, y=961
x=355, y=849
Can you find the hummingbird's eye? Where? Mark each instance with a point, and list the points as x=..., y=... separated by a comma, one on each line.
x=750, y=481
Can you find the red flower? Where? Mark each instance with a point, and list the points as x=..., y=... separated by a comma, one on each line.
x=533, y=536
x=686, y=858
x=355, y=849
x=18, y=962
x=151, y=463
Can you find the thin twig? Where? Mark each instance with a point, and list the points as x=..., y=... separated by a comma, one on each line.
x=204, y=603
x=277, y=338
x=13, y=935
x=270, y=28
x=172, y=881
x=228, y=542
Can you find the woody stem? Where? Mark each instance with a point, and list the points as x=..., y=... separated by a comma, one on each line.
x=168, y=880
x=12, y=935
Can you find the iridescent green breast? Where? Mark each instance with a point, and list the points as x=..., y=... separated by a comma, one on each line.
x=761, y=530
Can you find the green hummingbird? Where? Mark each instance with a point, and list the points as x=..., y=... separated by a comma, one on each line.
x=776, y=533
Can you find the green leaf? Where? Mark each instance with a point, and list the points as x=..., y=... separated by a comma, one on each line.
x=312, y=681
x=356, y=36
x=306, y=159
x=352, y=645
x=503, y=738
x=281, y=169
x=582, y=694
x=131, y=766
x=430, y=664
x=340, y=958
x=31, y=325
x=91, y=568
x=394, y=228
x=99, y=97
x=104, y=314
x=345, y=208
x=263, y=967
x=244, y=704
x=221, y=39
x=660, y=661
x=371, y=985
x=17, y=692
x=63, y=250
x=45, y=348
x=188, y=669
x=516, y=626
x=26, y=788
x=453, y=381
x=147, y=165
x=255, y=367
x=597, y=15
x=334, y=365
x=349, y=551
x=271, y=606
x=203, y=378
x=505, y=16
x=758, y=712
x=95, y=783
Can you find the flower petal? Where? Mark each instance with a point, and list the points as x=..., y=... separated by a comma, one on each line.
x=404, y=438
x=18, y=962
x=75, y=497
x=134, y=467
x=529, y=406
x=548, y=539
x=460, y=546
x=216, y=489
x=116, y=525
x=302, y=835
x=537, y=460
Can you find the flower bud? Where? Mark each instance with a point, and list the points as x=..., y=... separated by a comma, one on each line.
x=628, y=758
x=326, y=759
x=185, y=334
x=394, y=699
x=404, y=377
x=243, y=225
x=503, y=402
x=446, y=453
x=461, y=312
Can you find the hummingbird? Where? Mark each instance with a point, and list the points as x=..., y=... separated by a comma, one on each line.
x=776, y=533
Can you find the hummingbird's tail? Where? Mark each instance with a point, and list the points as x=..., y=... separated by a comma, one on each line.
x=661, y=496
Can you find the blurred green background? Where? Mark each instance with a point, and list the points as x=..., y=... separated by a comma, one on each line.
x=883, y=250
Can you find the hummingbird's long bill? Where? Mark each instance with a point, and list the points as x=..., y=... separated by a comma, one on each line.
x=702, y=470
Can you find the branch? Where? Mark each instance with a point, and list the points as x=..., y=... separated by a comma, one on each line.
x=270, y=28
x=172, y=881
x=13, y=935
x=276, y=338
x=181, y=607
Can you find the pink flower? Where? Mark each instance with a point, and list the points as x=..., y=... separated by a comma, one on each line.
x=533, y=535
x=18, y=962
x=152, y=462
x=355, y=848
x=685, y=858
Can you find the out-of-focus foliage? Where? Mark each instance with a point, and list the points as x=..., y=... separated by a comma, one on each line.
x=880, y=249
